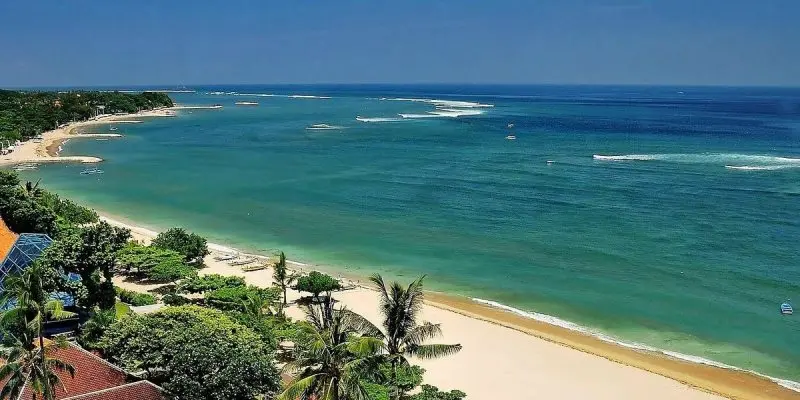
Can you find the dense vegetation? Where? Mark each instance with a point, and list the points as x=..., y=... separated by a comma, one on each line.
x=26, y=114
x=219, y=338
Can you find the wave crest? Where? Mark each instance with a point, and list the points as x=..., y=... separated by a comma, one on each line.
x=551, y=320
x=744, y=162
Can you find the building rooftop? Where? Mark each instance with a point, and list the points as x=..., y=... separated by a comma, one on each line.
x=96, y=379
x=7, y=239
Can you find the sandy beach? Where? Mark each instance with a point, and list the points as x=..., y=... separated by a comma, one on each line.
x=47, y=150
x=510, y=356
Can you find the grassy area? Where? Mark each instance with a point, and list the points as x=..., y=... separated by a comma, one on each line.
x=122, y=309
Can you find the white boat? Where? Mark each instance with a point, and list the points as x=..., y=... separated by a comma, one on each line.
x=92, y=171
x=511, y=137
x=786, y=308
x=113, y=128
x=322, y=127
x=246, y=103
x=243, y=261
x=226, y=257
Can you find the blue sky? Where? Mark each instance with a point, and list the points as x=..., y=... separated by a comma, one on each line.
x=148, y=42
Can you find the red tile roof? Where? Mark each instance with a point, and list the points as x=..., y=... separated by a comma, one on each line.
x=142, y=390
x=96, y=379
x=7, y=240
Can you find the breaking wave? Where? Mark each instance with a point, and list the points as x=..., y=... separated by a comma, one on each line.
x=551, y=320
x=743, y=162
x=442, y=103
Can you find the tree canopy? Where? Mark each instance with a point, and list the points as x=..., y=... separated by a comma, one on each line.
x=205, y=283
x=153, y=263
x=194, y=353
x=316, y=283
x=192, y=246
x=26, y=114
x=91, y=254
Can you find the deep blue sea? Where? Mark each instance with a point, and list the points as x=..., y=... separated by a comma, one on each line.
x=663, y=216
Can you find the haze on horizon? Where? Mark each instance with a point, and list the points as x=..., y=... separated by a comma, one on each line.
x=670, y=42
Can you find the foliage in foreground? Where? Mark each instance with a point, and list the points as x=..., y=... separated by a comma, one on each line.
x=194, y=353
x=192, y=246
x=28, y=358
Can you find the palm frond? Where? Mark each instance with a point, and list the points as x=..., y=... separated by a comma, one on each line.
x=430, y=351
x=297, y=389
x=419, y=334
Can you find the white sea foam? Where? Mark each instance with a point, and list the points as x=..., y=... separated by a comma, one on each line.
x=416, y=116
x=377, y=119
x=442, y=103
x=761, y=167
x=451, y=112
x=747, y=162
x=549, y=319
x=304, y=96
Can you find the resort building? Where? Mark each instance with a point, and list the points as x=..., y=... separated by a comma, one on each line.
x=19, y=251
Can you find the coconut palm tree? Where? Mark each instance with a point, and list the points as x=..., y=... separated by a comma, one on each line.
x=282, y=276
x=340, y=354
x=29, y=305
x=32, y=365
x=403, y=335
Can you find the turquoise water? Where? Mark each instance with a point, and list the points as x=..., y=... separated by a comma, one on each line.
x=659, y=244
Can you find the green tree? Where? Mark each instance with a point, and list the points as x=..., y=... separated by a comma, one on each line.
x=140, y=260
x=90, y=253
x=194, y=353
x=171, y=271
x=242, y=298
x=21, y=212
x=192, y=246
x=338, y=361
x=316, y=283
x=95, y=327
x=403, y=335
x=282, y=276
x=28, y=306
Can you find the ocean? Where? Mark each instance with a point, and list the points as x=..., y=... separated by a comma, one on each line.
x=661, y=217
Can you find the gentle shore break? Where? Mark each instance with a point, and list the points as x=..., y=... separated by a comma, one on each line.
x=514, y=348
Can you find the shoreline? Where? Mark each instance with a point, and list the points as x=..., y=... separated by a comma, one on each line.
x=728, y=382
x=48, y=149
x=469, y=316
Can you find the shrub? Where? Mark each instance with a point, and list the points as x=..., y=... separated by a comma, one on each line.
x=135, y=298
x=172, y=299
x=207, y=283
x=233, y=298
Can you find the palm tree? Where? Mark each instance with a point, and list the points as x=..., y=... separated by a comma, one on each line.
x=340, y=354
x=32, y=189
x=404, y=337
x=282, y=276
x=29, y=306
x=32, y=365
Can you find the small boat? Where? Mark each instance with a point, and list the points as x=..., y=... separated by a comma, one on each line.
x=226, y=257
x=113, y=128
x=243, y=261
x=246, y=103
x=786, y=308
x=510, y=126
x=511, y=137
x=549, y=162
x=92, y=171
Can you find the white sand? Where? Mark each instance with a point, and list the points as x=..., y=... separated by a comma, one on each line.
x=496, y=362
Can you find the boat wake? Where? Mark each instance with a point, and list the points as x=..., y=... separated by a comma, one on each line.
x=443, y=103
x=551, y=320
x=732, y=161
x=378, y=119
